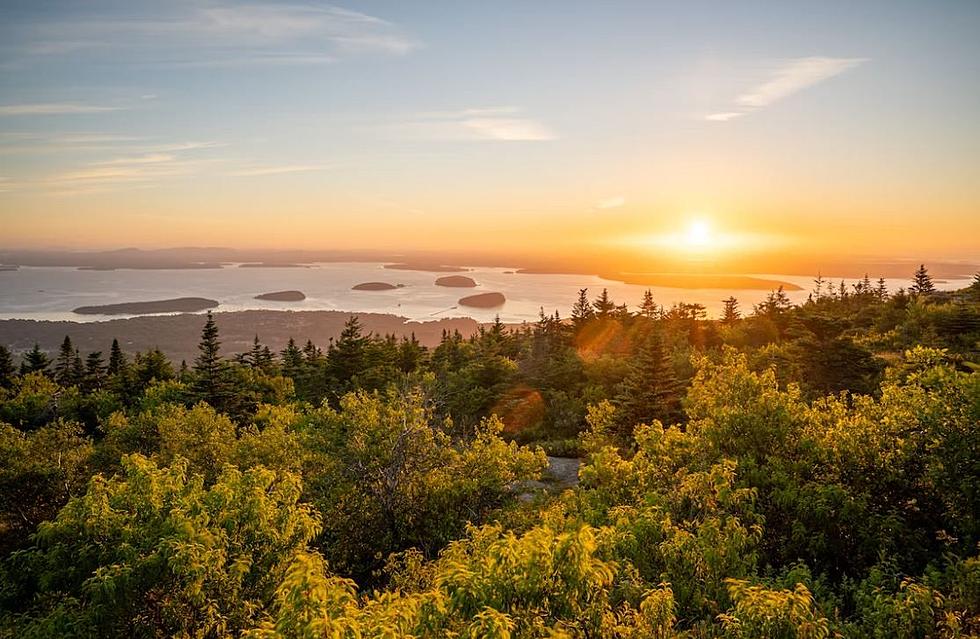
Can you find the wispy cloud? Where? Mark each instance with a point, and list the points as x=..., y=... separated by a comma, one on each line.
x=54, y=108
x=613, y=202
x=279, y=170
x=503, y=123
x=223, y=34
x=149, y=166
x=791, y=77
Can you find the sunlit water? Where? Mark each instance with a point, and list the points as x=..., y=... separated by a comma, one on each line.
x=50, y=293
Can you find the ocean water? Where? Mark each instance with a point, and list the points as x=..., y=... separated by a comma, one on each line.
x=50, y=293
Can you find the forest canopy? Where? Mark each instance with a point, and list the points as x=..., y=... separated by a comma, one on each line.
x=785, y=471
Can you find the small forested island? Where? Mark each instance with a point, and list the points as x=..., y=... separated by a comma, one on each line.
x=176, y=305
x=430, y=267
x=272, y=265
x=456, y=281
x=282, y=296
x=782, y=472
x=483, y=300
x=375, y=286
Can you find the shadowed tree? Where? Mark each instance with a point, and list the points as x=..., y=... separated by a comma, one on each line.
x=582, y=311
x=7, y=370
x=730, y=313
x=117, y=360
x=210, y=371
x=922, y=282
x=648, y=308
x=35, y=361
x=650, y=390
x=603, y=305
x=63, y=364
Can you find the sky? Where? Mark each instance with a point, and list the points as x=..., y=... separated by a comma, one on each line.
x=836, y=128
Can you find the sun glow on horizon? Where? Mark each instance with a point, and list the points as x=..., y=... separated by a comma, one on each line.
x=698, y=234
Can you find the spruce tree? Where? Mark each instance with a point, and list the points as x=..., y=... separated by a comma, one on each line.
x=117, y=359
x=7, y=370
x=94, y=370
x=650, y=390
x=209, y=369
x=346, y=356
x=35, y=361
x=582, y=310
x=922, y=282
x=63, y=365
x=77, y=368
x=730, y=313
x=882, y=291
x=603, y=305
x=292, y=360
x=648, y=308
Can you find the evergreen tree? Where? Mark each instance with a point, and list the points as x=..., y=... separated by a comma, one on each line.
x=63, y=365
x=35, y=361
x=582, y=311
x=603, y=305
x=922, y=282
x=209, y=369
x=346, y=356
x=94, y=370
x=881, y=292
x=292, y=360
x=7, y=370
x=648, y=308
x=650, y=390
x=818, y=285
x=730, y=313
x=117, y=359
x=77, y=368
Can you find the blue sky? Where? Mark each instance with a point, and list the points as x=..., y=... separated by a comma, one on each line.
x=176, y=120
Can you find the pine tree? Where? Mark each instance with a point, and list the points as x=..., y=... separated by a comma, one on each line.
x=922, y=282
x=63, y=365
x=650, y=390
x=35, y=361
x=117, y=359
x=648, y=308
x=582, y=310
x=603, y=305
x=730, y=313
x=7, y=370
x=209, y=369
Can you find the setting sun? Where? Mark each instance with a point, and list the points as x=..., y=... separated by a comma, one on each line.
x=698, y=234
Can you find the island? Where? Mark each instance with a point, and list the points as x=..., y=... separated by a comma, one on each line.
x=456, y=281
x=425, y=266
x=375, y=286
x=282, y=296
x=8, y=267
x=483, y=300
x=272, y=265
x=177, y=305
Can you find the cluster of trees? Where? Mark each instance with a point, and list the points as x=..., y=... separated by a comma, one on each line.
x=803, y=471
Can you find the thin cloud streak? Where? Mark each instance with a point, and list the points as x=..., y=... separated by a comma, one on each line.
x=279, y=170
x=503, y=123
x=792, y=77
x=228, y=35
x=54, y=108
